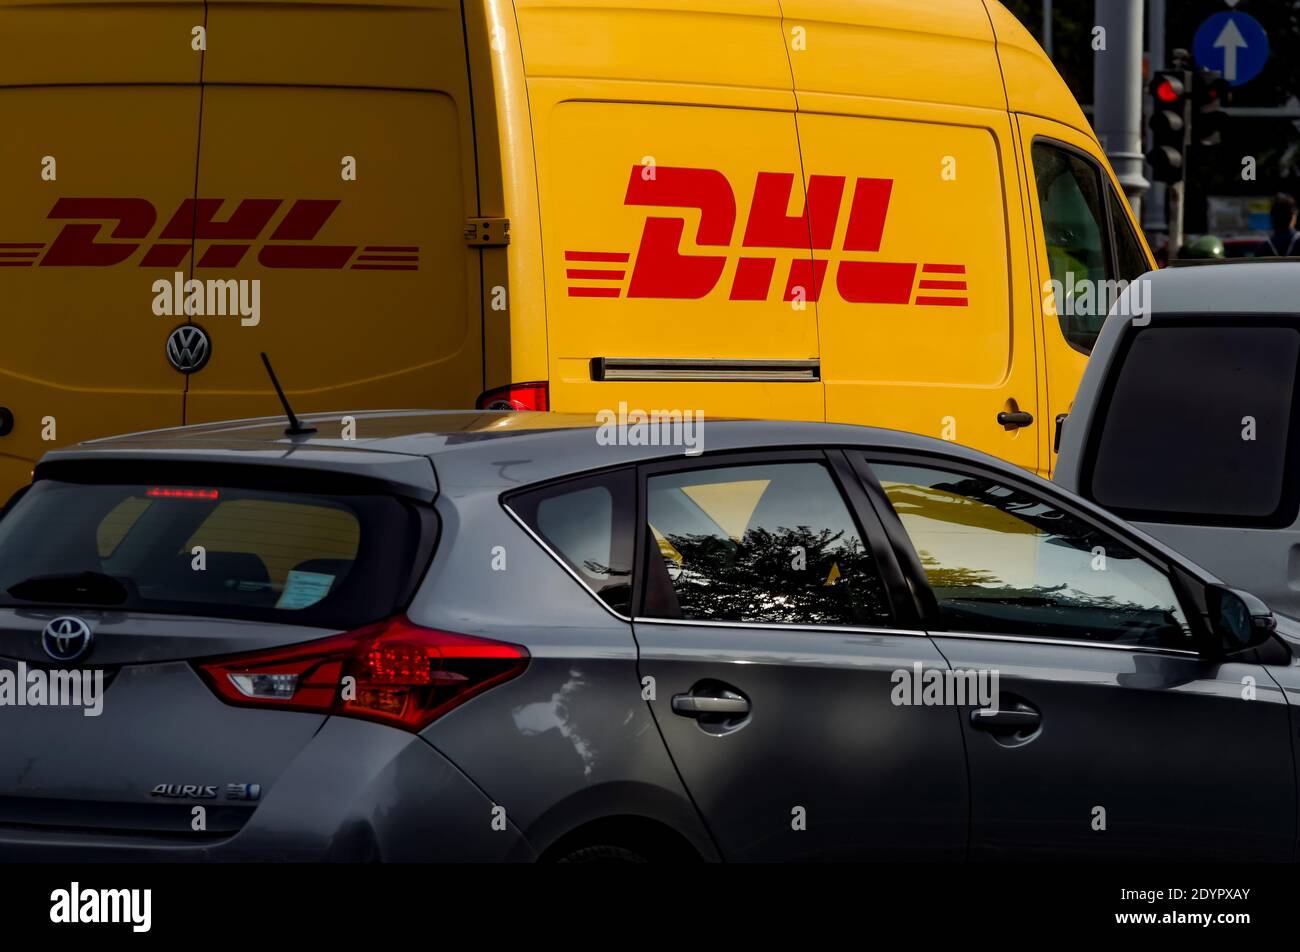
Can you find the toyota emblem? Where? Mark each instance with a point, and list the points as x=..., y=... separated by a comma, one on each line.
x=66, y=638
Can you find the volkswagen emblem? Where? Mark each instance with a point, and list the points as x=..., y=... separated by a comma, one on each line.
x=66, y=638
x=188, y=348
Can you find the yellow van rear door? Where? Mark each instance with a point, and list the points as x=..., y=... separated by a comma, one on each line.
x=336, y=175
x=97, y=153
x=677, y=258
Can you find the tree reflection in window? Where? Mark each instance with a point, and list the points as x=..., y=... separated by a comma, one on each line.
x=1002, y=560
x=799, y=558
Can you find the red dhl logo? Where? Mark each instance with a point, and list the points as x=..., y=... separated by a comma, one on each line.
x=130, y=222
x=660, y=270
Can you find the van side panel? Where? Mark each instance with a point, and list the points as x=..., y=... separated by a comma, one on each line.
x=929, y=325
x=90, y=172
x=369, y=295
x=659, y=131
x=922, y=50
x=1033, y=84
x=928, y=317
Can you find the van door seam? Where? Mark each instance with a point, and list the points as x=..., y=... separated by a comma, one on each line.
x=194, y=219
x=478, y=201
x=537, y=187
x=803, y=182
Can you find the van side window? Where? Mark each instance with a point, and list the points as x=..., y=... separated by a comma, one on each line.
x=1196, y=426
x=1003, y=561
x=760, y=543
x=1129, y=256
x=588, y=523
x=1070, y=203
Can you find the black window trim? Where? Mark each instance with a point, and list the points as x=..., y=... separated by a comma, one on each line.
x=864, y=517
x=1284, y=516
x=1105, y=187
x=1184, y=584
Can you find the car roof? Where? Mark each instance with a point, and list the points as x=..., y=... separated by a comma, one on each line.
x=1239, y=285
x=480, y=449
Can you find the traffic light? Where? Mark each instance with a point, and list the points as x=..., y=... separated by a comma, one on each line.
x=1209, y=95
x=1171, y=120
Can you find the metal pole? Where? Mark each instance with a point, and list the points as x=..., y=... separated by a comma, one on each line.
x=1156, y=215
x=1047, y=28
x=1117, y=95
x=1175, y=194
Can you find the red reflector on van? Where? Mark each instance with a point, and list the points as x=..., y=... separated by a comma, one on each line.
x=516, y=396
x=168, y=492
x=394, y=672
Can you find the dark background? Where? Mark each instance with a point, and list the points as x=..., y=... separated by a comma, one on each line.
x=1274, y=142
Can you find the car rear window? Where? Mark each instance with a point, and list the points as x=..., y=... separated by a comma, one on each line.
x=1197, y=426
x=327, y=560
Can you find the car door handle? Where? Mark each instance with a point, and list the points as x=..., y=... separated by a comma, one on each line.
x=726, y=702
x=1014, y=419
x=1017, y=719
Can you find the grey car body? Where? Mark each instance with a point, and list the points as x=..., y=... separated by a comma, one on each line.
x=1183, y=421
x=668, y=738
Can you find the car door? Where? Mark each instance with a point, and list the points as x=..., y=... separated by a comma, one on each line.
x=770, y=653
x=1114, y=736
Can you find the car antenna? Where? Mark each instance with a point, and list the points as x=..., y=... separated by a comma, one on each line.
x=295, y=427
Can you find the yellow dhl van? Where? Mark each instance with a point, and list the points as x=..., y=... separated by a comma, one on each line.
x=805, y=209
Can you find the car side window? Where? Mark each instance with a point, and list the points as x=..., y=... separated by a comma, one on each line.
x=1003, y=561
x=588, y=523
x=771, y=542
x=1070, y=204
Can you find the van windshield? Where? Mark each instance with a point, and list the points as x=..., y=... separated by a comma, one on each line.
x=322, y=560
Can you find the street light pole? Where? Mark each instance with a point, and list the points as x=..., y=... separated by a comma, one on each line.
x=1117, y=94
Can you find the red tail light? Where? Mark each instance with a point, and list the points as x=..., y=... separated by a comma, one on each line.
x=170, y=492
x=516, y=396
x=402, y=674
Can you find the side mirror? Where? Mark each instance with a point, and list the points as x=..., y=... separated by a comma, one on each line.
x=1239, y=619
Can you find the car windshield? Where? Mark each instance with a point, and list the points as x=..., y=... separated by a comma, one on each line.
x=329, y=560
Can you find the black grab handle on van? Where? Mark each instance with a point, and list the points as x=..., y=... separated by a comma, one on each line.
x=1015, y=420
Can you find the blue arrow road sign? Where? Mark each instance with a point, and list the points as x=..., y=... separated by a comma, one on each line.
x=1233, y=43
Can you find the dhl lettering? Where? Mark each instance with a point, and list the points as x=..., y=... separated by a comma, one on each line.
x=660, y=269
x=103, y=232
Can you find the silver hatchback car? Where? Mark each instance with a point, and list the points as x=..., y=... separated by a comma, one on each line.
x=501, y=636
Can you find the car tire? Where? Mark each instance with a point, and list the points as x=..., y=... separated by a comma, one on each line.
x=603, y=854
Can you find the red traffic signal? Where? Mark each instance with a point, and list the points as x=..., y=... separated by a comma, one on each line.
x=1171, y=116
x=1168, y=88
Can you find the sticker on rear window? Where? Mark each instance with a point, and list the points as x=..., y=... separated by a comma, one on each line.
x=304, y=589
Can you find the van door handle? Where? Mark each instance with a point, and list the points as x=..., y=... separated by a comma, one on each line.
x=1016, y=419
